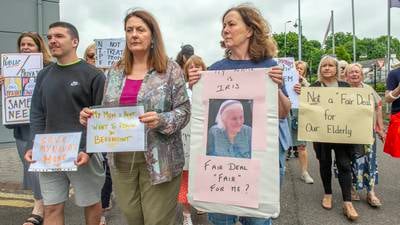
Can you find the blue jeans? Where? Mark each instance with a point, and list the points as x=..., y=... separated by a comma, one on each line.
x=223, y=219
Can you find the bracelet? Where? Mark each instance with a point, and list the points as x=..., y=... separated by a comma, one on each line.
x=391, y=95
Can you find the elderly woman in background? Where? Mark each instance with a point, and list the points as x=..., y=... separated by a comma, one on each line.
x=342, y=67
x=147, y=183
x=29, y=42
x=230, y=136
x=90, y=54
x=106, y=203
x=300, y=146
x=328, y=76
x=364, y=165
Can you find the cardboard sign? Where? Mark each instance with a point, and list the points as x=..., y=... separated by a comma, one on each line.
x=228, y=180
x=20, y=72
x=116, y=129
x=239, y=174
x=55, y=152
x=108, y=51
x=336, y=115
x=290, y=78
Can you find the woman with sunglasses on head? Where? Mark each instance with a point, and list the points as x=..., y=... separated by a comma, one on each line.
x=106, y=202
x=328, y=76
x=29, y=42
x=147, y=183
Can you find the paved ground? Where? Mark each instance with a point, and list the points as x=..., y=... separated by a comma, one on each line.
x=300, y=203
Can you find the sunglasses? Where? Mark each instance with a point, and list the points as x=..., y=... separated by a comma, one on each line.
x=90, y=56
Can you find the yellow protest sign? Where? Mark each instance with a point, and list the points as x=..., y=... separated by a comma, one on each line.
x=336, y=115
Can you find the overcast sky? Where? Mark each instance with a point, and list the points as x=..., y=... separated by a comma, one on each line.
x=198, y=22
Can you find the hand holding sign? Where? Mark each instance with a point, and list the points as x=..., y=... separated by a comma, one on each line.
x=84, y=115
x=276, y=75
x=150, y=119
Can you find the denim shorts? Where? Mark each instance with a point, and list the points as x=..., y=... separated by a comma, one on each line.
x=224, y=219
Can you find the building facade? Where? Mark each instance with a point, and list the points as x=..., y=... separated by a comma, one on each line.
x=19, y=16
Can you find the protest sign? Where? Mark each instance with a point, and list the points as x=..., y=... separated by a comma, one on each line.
x=336, y=115
x=108, y=51
x=186, y=144
x=20, y=72
x=290, y=78
x=228, y=180
x=227, y=175
x=55, y=152
x=116, y=129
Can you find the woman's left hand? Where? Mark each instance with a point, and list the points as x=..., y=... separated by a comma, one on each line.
x=276, y=74
x=150, y=119
x=382, y=135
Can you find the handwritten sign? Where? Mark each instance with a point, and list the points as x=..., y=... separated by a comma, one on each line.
x=239, y=84
x=116, y=129
x=336, y=115
x=290, y=77
x=20, y=72
x=108, y=51
x=55, y=152
x=228, y=180
x=186, y=144
x=251, y=186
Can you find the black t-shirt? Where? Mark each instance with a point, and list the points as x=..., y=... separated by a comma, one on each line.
x=60, y=94
x=392, y=82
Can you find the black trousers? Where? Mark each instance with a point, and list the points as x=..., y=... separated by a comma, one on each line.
x=343, y=155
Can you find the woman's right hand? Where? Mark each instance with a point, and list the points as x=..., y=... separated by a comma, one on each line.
x=84, y=115
x=194, y=75
x=297, y=88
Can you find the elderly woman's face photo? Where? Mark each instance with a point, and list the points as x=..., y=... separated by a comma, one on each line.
x=233, y=119
x=328, y=69
x=354, y=75
x=138, y=35
x=235, y=32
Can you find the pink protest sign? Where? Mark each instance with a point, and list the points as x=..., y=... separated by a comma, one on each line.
x=231, y=181
x=245, y=87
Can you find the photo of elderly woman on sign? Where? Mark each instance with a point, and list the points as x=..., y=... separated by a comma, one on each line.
x=230, y=136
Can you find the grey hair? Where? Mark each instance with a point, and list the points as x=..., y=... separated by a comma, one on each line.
x=325, y=58
x=224, y=106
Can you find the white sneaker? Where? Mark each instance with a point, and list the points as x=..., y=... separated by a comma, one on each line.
x=307, y=178
x=187, y=220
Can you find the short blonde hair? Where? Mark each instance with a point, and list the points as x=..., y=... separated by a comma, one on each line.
x=85, y=55
x=323, y=60
x=305, y=67
x=350, y=66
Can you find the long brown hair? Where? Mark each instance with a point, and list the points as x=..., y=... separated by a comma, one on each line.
x=261, y=44
x=39, y=42
x=158, y=57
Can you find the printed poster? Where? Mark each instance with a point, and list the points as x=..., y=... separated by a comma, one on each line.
x=20, y=72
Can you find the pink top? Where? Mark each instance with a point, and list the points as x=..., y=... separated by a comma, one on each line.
x=130, y=92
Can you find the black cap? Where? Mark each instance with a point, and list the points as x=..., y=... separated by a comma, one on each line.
x=187, y=50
